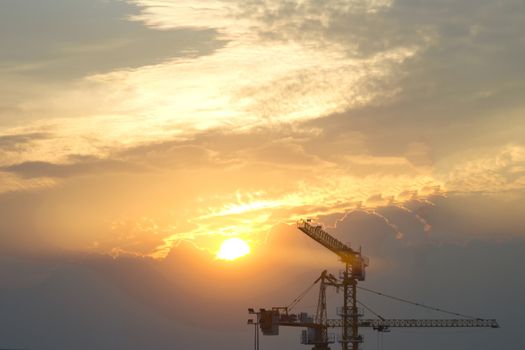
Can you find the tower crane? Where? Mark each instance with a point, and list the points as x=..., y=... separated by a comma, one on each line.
x=354, y=271
x=316, y=332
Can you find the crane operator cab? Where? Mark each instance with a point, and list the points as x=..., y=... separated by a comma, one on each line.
x=358, y=267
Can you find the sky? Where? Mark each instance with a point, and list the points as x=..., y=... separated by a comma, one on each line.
x=136, y=136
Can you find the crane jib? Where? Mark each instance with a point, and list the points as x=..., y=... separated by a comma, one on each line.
x=346, y=253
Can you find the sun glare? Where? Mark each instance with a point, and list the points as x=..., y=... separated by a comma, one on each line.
x=232, y=249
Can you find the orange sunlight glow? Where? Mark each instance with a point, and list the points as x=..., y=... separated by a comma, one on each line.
x=232, y=249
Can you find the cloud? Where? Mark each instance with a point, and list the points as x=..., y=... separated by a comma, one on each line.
x=70, y=40
x=202, y=189
x=496, y=171
x=173, y=154
x=15, y=146
x=170, y=298
x=460, y=81
x=306, y=109
x=75, y=298
x=223, y=183
x=11, y=142
x=79, y=166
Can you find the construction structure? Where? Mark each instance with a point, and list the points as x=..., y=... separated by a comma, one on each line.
x=351, y=316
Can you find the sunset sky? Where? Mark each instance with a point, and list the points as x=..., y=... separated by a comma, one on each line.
x=137, y=136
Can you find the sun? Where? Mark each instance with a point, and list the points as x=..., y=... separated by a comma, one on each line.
x=232, y=249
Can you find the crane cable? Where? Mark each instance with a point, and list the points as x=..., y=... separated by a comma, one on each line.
x=371, y=311
x=418, y=304
x=298, y=299
x=380, y=342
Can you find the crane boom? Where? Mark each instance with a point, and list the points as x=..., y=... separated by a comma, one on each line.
x=350, y=257
x=292, y=320
x=325, y=239
x=420, y=323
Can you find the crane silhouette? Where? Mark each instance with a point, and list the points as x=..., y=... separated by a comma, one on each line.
x=316, y=328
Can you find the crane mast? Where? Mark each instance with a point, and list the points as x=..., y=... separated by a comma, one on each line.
x=351, y=320
x=321, y=337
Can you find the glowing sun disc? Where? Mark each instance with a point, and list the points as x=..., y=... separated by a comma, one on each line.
x=232, y=249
